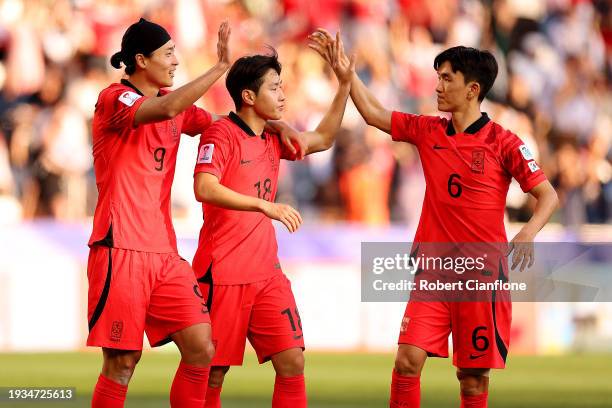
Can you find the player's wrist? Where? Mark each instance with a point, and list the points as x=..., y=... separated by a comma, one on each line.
x=262, y=206
x=222, y=66
x=525, y=235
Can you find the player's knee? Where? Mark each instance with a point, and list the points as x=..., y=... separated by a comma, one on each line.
x=199, y=353
x=290, y=365
x=195, y=344
x=120, y=365
x=295, y=365
x=216, y=376
x=205, y=353
x=407, y=366
x=125, y=362
x=473, y=382
x=209, y=351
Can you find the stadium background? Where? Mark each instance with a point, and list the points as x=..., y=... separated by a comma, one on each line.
x=553, y=90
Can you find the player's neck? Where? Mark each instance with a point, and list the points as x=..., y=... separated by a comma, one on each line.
x=464, y=118
x=144, y=86
x=253, y=120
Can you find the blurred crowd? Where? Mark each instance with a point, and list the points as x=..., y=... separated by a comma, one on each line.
x=553, y=90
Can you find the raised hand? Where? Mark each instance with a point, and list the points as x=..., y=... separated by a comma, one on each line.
x=343, y=67
x=284, y=213
x=223, y=53
x=332, y=51
x=321, y=41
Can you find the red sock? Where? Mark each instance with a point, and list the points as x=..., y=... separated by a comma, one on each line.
x=289, y=392
x=108, y=394
x=405, y=391
x=189, y=386
x=474, y=401
x=213, y=397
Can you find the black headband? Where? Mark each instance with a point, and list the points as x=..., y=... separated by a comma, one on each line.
x=142, y=37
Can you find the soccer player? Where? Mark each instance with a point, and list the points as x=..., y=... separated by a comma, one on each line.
x=236, y=262
x=137, y=281
x=468, y=162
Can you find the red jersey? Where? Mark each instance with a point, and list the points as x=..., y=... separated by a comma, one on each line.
x=467, y=176
x=134, y=167
x=239, y=246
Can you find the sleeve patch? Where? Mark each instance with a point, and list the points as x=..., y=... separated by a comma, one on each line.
x=533, y=166
x=206, y=153
x=527, y=155
x=129, y=98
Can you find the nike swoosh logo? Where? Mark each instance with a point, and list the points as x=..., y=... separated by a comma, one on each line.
x=474, y=357
x=438, y=147
x=244, y=161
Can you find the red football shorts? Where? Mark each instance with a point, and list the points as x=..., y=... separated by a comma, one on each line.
x=263, y=312
x=481, y=331
x=132, y=292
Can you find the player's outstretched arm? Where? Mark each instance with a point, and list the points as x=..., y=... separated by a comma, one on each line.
x=168, y=106
x=522, y=243
x=322, y=138
x=209, y=190
x=368, y=106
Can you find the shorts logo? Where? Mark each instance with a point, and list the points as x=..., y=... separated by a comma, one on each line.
x=478, y=157
x=404, y=326
x=206, y=153
x=527, y=155
x=116, y=330
x=533, y=166
x=128, y=98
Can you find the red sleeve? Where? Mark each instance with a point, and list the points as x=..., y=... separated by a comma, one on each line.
x=195, y=121
x=520, y=162
x=214, y=151
x=118, y=106
x=409, y=128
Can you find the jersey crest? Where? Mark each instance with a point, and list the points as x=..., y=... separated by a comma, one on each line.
x=478, y=161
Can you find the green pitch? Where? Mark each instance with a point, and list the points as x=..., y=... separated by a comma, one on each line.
x=334, y=380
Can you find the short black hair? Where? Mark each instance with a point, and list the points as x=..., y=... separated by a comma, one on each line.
x=475, y=65
x=248, y=72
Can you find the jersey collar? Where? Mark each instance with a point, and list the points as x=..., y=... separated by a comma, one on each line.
x=472, y=129
x=131, y=85
x=242, y=125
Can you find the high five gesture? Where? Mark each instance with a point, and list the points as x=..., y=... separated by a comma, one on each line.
x=223, y=52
